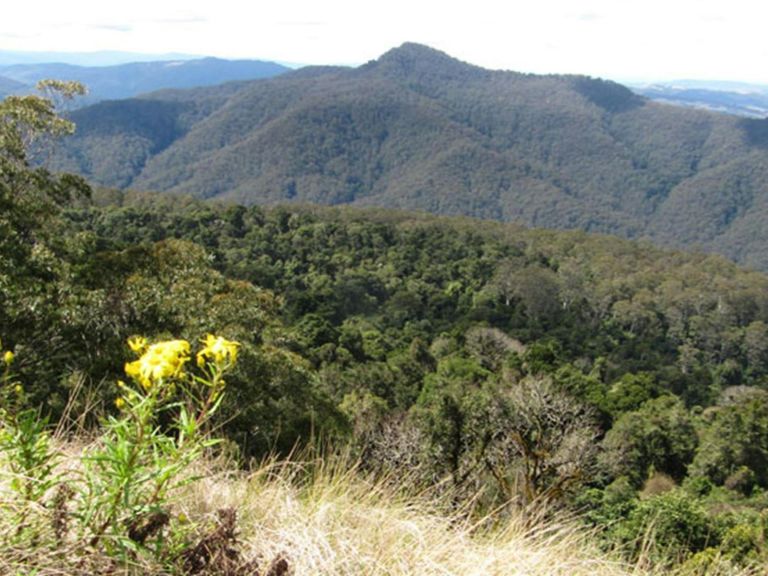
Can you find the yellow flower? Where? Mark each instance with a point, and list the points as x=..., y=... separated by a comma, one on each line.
x=217, y=349
x=137, y=343
x=8, y=357
x=120, y=403
x=18, y=389
x=160, y=361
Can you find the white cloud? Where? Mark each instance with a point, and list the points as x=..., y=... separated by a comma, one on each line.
x=613, y=38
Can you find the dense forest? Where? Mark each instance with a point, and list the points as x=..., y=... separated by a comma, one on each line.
x=508, y=367
x=608, y=376
x=418, y=130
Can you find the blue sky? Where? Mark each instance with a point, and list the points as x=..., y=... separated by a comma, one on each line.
x=639, y=40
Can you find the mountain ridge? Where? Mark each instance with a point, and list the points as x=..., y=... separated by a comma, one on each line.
x=417, y=129
x=738, y=98
x=131, y=79
x=93, y=58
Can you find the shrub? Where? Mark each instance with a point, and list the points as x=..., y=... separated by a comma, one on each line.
x=670, y=526
x=122, y=491
x=656, y=484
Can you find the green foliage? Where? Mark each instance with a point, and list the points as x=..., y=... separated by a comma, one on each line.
x=734, y=441
x=605, y=508
x=27, y=455
x=32, y=238
x=743, y=543
x=708, y=562
x=629, y=393
x=659, y=436
x=672, y=525
x=26, y=444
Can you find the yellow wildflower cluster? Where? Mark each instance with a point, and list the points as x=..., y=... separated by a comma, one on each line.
x=218, y=350
x=159, y=361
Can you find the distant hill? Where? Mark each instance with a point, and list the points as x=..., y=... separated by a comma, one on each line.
x=730, y=97
x=97, y=58
x=127, y=80
x=9, y=86
x=417, y=129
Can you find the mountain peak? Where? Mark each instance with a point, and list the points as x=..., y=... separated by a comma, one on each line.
x=414, y=50
x=412, y=59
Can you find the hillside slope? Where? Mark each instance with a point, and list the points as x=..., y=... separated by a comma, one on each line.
x=417, y=129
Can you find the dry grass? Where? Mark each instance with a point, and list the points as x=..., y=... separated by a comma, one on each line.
x=326, y=520
x=316, y=518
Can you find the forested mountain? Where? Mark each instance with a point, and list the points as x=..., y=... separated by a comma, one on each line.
x=417, y=129
x=127, y=80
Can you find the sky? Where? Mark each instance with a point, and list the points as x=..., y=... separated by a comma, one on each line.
x=639, y=40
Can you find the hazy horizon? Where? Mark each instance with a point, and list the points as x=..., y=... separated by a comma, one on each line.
x=98, y=58
x=652, y=41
